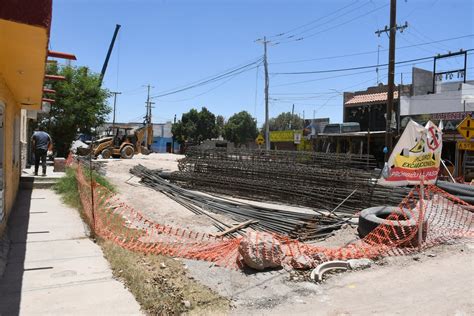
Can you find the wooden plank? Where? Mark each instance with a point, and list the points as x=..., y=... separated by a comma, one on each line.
x=236, y=227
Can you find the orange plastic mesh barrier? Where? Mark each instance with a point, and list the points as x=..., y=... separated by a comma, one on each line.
x=445, y=219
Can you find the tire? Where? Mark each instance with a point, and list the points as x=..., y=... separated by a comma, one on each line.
x=127, y=152
x=401, y=231
x=145, y=151
x=106, y=153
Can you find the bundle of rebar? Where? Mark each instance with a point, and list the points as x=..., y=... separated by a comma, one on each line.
x=298, y=225
x=322, y=181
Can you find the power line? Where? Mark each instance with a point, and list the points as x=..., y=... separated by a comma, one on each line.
x=370, y=52
x=325, y=78
x=223, y=72
x=202, y=82
x=336, y=26
x=352, y=68
x=315, y=20
x=205, y=92
x=333, y=19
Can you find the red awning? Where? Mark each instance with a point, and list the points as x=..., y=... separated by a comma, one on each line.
x=54, y=77
x=48, y=100
x=370, y=98
x=61, y=55
x=45, y=90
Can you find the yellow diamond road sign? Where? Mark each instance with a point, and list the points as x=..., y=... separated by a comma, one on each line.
x=260, y=140
x=466, y=128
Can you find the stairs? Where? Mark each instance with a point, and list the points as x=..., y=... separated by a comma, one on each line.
x=28, y=181
x=31, y=182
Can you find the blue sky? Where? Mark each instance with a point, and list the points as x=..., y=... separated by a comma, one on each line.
x=169, y=44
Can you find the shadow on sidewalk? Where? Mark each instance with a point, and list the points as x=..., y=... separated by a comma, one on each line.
x=12, y=281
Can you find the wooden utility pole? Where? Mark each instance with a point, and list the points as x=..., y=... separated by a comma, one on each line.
x=391, y=71
x=115, y=103
x=148, y=113
x=391, y=75
x=292, y=113
x=265, y=64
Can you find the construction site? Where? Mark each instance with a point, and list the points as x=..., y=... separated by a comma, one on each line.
x=276, y=231
x=145, y=183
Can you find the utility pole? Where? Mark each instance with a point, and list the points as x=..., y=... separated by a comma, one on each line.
x=174, y=122
x=148, y=114
x=265, y=64
x=115, y=103
x=391, y=71
x=378, y=61
x=292, y=113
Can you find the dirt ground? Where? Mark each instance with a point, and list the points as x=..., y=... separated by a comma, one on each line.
x=439, y=281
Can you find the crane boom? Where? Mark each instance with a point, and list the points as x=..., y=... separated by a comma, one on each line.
x=111, y=47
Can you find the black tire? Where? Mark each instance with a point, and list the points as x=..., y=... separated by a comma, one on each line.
x=406, y=226
x=106, y=153
x=127, y=152
x=145, y=151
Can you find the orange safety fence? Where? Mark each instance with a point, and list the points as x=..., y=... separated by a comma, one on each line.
x=445, y=219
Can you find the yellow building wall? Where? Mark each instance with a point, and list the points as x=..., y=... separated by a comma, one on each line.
x=11, y=170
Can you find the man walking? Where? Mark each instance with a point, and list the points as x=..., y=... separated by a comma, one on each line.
x=40, y=141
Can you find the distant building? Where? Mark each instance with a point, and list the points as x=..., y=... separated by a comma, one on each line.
x=162, y=135
x=450, y=102
x=369, y=107
x=423, y=100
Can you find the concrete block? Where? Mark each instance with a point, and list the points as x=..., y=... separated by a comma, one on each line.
x=59, y=164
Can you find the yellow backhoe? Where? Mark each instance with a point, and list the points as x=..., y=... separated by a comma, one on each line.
x=123, y=142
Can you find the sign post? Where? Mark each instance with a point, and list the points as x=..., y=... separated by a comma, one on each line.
x=421, y=215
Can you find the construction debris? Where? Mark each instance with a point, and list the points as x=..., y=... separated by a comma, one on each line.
x=352, y=264
x=298, y=225
x=261, y=253
x=346, y=183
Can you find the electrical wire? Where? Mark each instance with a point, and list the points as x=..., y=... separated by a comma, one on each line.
x=208, y=80
x=369, y=52
x=314, y=21
x=203, y=93
x=336, y=26
x=354, y=68
x=322, y=24
x=320, y=79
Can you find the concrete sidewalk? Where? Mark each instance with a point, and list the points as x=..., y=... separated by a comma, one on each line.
x=53, y=268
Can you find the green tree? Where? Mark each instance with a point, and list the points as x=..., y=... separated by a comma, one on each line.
x=285, y=121
x=195, y=126
x=240, y=128
x=80, y=105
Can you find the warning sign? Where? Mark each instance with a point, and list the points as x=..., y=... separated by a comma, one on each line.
x=260, y=140
x=466, y=128
x=416, y=154
x=469, y=146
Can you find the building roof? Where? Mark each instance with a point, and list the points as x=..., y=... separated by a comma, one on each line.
x=36, y=13
x=370, y=98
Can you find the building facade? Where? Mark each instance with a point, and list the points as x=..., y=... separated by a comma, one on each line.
x=449, y=103
x=24, y=39
x=425, y=99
